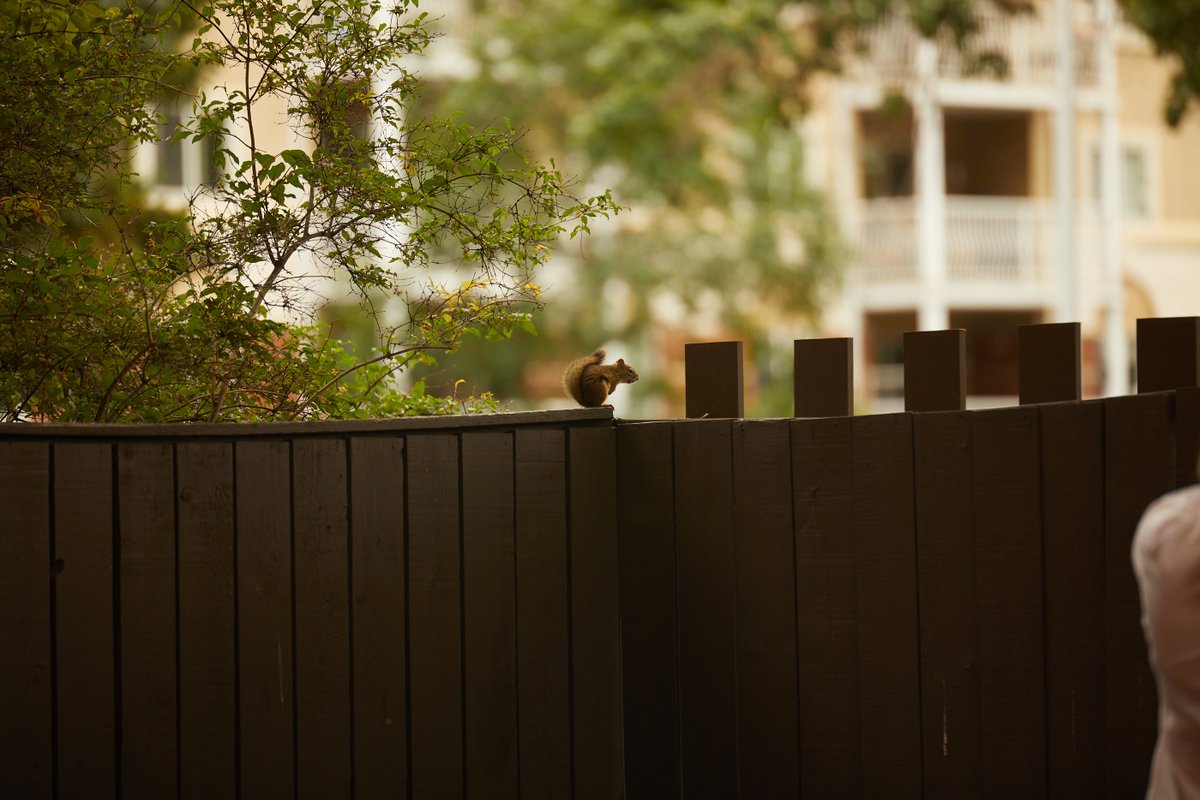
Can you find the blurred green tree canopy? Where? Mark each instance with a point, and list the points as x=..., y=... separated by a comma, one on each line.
x=109, y=313
x=691, y=111
x=1174, y=28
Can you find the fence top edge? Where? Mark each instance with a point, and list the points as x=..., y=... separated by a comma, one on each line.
x=1054, y=404
x=228, y=430
x=460, y=422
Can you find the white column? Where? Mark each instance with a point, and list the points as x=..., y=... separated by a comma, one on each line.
x=848, y=200
x=1064, y=163
x=932, y=309
x=394, y=314
x=1116, y=347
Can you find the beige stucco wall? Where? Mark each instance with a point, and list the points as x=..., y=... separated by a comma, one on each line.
x=1143, y=81
x=1161, y=254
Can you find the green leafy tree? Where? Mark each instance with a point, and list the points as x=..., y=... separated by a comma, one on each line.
x=1174, y=28
x=690, y=110
x=105, y=315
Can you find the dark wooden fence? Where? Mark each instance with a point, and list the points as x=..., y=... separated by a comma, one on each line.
x=933, y=604
x=370, y=610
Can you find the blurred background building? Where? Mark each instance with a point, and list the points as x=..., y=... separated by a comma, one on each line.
x=981, y=202
x=1028, y=178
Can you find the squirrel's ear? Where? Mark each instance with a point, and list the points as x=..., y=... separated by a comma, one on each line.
x=620, y=362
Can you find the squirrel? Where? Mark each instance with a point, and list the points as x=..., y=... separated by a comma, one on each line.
x=589, y=382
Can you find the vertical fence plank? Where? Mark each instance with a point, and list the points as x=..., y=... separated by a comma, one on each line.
x=713, y=377
x=377, y=548
x=886, y=579
x=826, y=608
x=646, y=541
x=935, y=370
x=1008, y=547
x=542, y=614
x=1168, y=353
x=83, y=549
x=207, y=654
x=434, y=617
x=707, y=608
x=322, y=602
x=950, y=750
x=26, y=760
x=767, y=703
x=489, y=615
x=1072, y=452
x=823, y=377
x=595, y=615
x=1050, y=367
x=149, y=705
x=1187, y=436
x=1139, y=465
x=264, y=558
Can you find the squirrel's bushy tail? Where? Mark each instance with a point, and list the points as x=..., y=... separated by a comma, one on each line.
x=574, y=374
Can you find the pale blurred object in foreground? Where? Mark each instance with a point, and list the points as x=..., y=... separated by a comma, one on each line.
x=1166, y=558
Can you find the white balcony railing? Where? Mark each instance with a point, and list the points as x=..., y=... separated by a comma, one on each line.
x=1027, y=44
x=999, y=239
x=887, y=242
x=995, y=239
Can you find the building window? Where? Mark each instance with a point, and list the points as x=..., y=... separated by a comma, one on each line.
x=210, y=173
x=343, y=124
x=182, y=165
x=1135, y=186
x=169, y=153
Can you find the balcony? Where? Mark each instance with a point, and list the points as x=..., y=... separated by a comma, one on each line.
x=1027, y=44
x=992, y=242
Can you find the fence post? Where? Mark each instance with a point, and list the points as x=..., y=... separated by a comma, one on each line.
x=935, y=370
x=1168, y=355
x=823, y=378
x=1050, y=364
x=713, y=380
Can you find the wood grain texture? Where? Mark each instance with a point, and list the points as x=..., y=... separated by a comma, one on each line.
x=767, y=704
x=543, y=637
x=434, y=616
x=823, y=377
x=886, y=579
x=950, y=699
x=380, y=656
x=1187, y=436
x=826, y=608
x=1072, y=453
x=207, y=654
x=26, y=674
x=595, y=616
x=490, y=615
x=1168, y=353
x=86, y=660
x=1051, y=365
x=707, y=608
x=324, y=757
x=935, y=370
x=1008, y=547
x=1139, y=466
x=265, y=626
x=149, y=704
x=646, y=551
x=713, y=376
